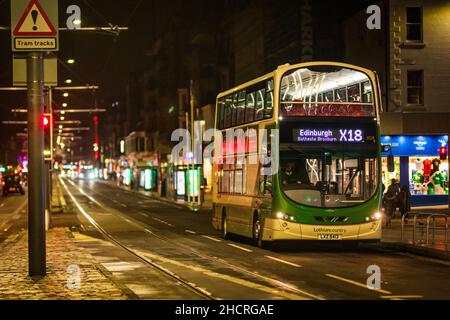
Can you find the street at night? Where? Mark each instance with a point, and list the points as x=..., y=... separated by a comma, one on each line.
x=224, y=159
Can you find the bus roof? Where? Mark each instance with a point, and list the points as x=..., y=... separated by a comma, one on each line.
x=246, y=84
x=286, y=67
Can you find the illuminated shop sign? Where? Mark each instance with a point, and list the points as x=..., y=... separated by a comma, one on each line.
x=411, y=146
x=340, y=135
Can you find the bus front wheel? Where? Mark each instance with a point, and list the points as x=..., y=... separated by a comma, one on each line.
x=257, y=232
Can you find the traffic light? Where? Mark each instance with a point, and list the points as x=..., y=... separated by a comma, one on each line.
x=443, y=153
x=47, y=123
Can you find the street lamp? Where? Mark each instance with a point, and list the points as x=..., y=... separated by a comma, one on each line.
x=66, y=94
x=69, y=81
x=64, y=105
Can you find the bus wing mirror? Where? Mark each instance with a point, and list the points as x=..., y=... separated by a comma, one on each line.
x=391, y=163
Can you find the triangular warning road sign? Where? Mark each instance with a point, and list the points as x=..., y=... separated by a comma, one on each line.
x=34, y=22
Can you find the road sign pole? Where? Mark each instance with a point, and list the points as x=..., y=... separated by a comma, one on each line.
x=37, y=176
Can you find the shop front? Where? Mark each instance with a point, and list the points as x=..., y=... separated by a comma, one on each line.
x=421, y=164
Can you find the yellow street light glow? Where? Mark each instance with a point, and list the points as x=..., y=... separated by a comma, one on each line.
x=66, y=94
x=69, y=81
x=62, y=118
x=64, y=105
x=77, y=22
x=71, y=61
x=60, y=126
x=63, y=112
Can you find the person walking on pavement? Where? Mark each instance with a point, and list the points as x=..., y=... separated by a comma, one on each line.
x=390, y=201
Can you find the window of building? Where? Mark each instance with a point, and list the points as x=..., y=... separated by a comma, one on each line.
x=415, y=87
x=414, y=24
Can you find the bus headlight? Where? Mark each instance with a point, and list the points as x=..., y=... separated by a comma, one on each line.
x=282, y=216
x=377, y=216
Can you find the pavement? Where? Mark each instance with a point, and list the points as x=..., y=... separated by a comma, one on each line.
x=72, y=274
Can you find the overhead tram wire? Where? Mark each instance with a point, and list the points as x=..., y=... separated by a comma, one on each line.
x=116, y=42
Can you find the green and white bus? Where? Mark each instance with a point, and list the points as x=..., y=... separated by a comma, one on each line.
x=327, y=184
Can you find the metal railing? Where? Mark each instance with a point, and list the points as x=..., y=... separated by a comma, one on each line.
x=424, y=225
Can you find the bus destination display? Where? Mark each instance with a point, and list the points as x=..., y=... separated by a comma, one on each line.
x=332, y=135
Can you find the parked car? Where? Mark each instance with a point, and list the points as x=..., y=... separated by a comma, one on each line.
x=12, y=183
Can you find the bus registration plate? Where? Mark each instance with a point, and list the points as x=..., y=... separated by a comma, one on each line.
x=330, y=237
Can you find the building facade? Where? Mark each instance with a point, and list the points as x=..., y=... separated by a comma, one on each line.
x=418, y=112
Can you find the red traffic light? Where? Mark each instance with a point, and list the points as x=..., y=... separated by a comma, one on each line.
x=443, y=153
x=46, y=120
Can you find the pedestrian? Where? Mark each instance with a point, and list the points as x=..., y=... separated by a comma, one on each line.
x=405, y=202
x=390, y=203
x=396, y=187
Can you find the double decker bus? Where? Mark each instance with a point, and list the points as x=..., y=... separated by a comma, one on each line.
x=324, y=124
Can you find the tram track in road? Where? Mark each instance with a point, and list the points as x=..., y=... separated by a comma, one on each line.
x=290, y=291
x=177, y=279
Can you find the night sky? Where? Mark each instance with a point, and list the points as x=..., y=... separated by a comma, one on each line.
x=101, y=59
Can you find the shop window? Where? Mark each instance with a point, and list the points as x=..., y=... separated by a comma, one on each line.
x=414, y=24
x=415, y=87
x=388, y=176
x=428, y=176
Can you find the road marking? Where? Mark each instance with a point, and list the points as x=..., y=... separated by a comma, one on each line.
x=191, y=232
x=211, y=238
x=224, y=277
x=144, y=214
x=148, y=231
x=401, y=297
x=163, y=222
x=284, y=261
x=240, y=248
x=358, y=284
